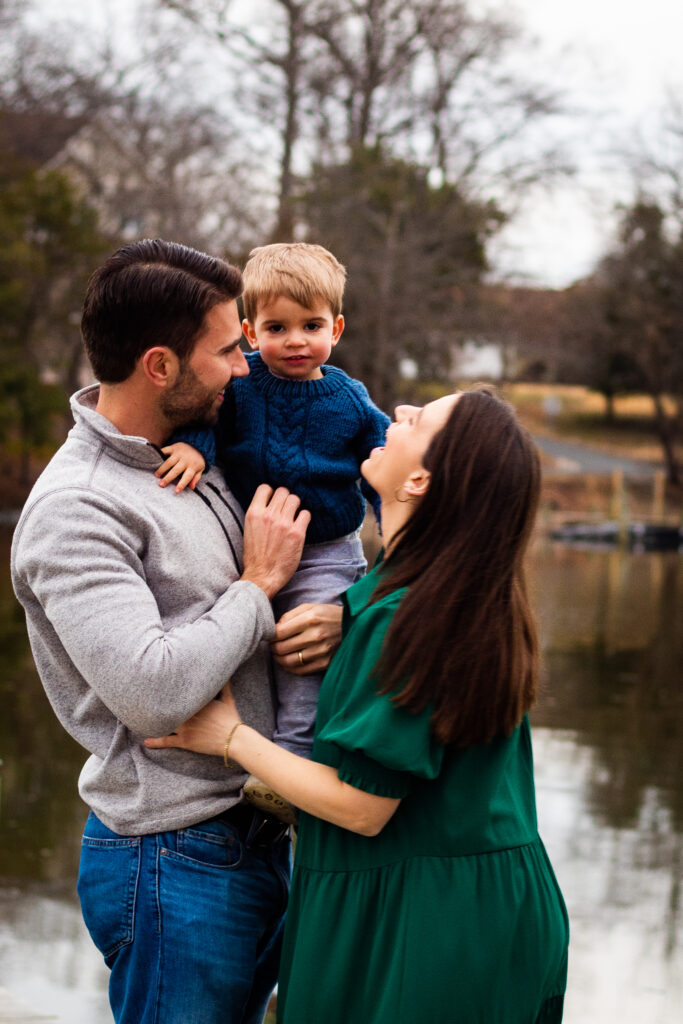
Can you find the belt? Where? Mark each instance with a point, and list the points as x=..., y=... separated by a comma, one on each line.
x=255, y=827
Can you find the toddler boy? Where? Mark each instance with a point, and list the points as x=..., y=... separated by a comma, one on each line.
x=294, y=422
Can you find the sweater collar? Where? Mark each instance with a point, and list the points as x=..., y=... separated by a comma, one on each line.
x=95, y=427
x=270, y=385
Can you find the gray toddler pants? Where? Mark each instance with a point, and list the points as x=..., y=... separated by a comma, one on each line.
x=325, y=571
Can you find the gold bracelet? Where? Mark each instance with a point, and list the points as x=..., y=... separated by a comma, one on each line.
x=226, y=749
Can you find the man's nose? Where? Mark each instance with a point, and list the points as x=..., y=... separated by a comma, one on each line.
x=239, y=366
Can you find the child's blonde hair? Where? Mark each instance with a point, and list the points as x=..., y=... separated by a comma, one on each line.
x=301, y=271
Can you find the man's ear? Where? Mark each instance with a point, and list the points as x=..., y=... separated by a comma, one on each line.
x=417, y=484
x=250, y=334
x=160, y=365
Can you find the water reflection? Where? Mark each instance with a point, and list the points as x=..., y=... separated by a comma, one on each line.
x=40, y=816
x=610, y=784
x=47, y=958
x=613, y=653
x=610, y=773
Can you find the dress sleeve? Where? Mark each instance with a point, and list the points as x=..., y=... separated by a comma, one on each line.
x=375, y=745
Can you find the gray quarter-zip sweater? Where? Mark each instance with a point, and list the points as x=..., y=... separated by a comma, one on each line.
x=137, y=617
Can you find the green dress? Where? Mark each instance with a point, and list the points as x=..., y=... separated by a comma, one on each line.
x=452, y=914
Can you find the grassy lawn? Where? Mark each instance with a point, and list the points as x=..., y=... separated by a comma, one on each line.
x=579, y=415
x=575, y=413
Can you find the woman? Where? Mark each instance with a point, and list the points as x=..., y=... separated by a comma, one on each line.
x=422, y=891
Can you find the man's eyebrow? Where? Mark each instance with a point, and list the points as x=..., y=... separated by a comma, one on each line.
x=231, y=345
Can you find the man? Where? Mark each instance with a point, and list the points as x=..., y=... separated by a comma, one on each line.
x=140, y=604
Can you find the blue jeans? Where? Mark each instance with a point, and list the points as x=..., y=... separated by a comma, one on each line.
x=190, y=922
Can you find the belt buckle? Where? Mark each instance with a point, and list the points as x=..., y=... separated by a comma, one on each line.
x=270, y=830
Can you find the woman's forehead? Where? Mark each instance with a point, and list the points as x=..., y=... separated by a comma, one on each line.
x=439, y=410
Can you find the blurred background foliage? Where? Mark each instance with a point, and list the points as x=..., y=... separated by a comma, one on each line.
x=402, y=136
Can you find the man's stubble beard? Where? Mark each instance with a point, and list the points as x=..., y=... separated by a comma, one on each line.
x=189, y=401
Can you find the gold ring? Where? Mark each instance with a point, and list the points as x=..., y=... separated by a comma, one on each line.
x=301, y=657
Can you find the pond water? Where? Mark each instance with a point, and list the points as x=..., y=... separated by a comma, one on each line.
x=609, y=765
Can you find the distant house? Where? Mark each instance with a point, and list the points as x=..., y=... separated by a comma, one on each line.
x=478, y=361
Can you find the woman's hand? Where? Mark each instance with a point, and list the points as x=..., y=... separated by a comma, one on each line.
x=310, y=630
x=313, y=787
x=207, y=731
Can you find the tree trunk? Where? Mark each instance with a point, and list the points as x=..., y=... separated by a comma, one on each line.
x=383, y=383
x=609, y=406
x=667, y=431
x=284, y=227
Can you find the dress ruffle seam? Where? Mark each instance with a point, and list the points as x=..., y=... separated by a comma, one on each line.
x=418, y=856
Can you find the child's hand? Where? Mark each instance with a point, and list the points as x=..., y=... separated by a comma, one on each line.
x=183, y=461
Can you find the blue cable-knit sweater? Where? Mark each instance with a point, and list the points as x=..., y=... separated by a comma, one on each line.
x=309, y=436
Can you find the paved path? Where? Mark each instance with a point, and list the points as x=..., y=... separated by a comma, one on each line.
x=581, y=458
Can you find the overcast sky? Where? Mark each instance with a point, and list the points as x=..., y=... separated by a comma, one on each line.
x=622, y=56
x=617, y=58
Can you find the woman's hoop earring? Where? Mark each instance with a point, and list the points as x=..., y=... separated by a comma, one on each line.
x=396, y=497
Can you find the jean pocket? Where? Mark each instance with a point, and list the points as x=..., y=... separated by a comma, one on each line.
x=107, y=886
x=212, y=845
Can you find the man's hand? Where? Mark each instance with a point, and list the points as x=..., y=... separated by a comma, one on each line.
x=310, y=630
x=273, y=538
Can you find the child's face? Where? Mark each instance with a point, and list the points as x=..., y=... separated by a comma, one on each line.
x=294, y=341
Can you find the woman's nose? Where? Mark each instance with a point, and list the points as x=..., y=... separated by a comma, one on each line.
x=402, y=412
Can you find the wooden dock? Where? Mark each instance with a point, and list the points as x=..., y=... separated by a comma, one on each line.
x=16, y=1011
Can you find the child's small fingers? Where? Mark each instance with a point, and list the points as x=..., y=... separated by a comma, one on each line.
x=166, y=465
x=171, y=474
x=185, y=479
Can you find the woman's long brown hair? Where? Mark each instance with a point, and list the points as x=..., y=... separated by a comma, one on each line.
x=463, y=636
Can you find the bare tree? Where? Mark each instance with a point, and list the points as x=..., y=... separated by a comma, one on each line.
x=154, y=169
x=414, y=255
x=45, y=98
x=11, y=11
x=371, y=48
x=395, y=68
x=483, y=113
x=275, y=66
x=430, y=79
x=633, y=308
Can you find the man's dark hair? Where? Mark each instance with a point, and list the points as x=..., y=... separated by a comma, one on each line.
x=151, y=293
